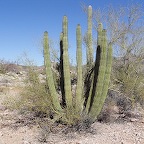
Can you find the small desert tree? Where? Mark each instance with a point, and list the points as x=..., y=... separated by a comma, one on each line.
x=125, y=26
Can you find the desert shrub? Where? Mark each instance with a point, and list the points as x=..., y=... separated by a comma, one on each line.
x=129, y=79
x=34, y=97
x=126, y=32
x=116, y=106
x=2, y=67
x=7, y=66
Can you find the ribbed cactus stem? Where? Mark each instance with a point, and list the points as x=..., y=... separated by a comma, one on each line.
x=99, y=36
x=94, y=81
x=89, y=54
x=96, y=93
x=65, y=28
x=66, y=66
x=49, y=74
x=61, y=71
x=89, y=39
x=106, y=79
x=79, y=70
x=96, y=68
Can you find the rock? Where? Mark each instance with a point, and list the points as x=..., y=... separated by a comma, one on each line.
x=142, y=120
x=133, y=120
x=42, y=78
x=26, y=142
x=2, y=108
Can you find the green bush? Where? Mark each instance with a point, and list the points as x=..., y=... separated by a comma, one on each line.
x=129, y=79
x=34, y=97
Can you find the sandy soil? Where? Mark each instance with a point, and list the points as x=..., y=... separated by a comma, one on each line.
x=16, y=128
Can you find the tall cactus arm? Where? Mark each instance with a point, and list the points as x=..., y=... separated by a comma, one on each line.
x=97, y=90
x=65, y=28
x=79, y=103
x=66, y=66
x=94, y=80
x=61, y=71
x=96, y=68
x=49, y=75
x=99, y=36
x=89, y=54
x=106, y=79
x=89, y=39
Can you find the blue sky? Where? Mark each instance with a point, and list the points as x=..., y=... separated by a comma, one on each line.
x=22, y=23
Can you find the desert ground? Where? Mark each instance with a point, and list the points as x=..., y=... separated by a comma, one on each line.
x=19, y=128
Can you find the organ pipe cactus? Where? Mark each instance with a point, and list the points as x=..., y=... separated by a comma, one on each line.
x=75, y=103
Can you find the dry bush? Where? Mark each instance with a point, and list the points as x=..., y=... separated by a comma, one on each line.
x=3, y=67
x=126, y=31
x=34, y=97
x=117, y=106
x=7, y=66
x=129, y=79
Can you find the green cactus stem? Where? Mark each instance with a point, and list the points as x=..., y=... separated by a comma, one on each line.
x=99, y=36
x=89, y=39
x=66, y=66
x=61, y=71
x=96, y=69
x=94, y=80
x=98, y=86
x=89, y=54
x=79, y=70
x=106, y=79
x=49, y=74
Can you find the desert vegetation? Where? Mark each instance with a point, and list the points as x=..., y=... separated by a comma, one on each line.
x=64, y=98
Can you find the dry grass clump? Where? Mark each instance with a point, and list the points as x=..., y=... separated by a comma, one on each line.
x=7, y=66
x=35, y=97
